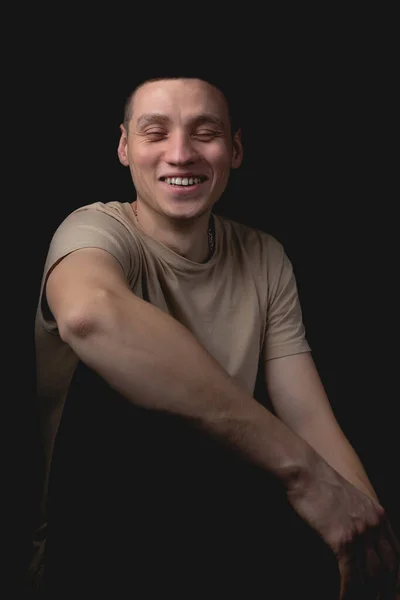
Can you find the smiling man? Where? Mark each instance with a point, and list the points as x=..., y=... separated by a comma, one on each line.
x=173, y=308
x=177, y=141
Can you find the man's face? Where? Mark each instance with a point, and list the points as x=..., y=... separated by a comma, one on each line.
x=179, y=146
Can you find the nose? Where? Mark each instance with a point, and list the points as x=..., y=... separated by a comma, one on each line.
x=180, y=149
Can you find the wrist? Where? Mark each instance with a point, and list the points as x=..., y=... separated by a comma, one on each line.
x=298, y=476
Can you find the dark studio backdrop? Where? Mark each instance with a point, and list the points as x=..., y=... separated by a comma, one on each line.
x=312, y=177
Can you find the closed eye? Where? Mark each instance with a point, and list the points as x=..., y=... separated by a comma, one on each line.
x=206, y=134
x=155, y=132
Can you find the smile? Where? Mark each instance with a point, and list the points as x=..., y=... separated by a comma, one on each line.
x=183, y=181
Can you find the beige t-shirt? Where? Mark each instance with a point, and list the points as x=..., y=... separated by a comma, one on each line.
x=242, y=305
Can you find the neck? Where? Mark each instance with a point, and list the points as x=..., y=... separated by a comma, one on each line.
x=188, y=238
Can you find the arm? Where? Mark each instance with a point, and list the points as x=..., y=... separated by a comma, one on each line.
x=153, y=361
x=156, y=363
x=336, y=502
x=299, y=400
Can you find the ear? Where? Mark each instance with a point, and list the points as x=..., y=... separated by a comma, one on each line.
x=237, y=154
x=123, y=147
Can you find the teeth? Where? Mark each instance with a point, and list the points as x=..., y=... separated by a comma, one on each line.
x=182, y=180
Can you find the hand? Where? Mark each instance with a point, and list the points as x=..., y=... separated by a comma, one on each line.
x=35, y=572
x=356, y=529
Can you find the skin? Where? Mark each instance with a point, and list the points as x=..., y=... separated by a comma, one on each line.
x=179, y=127
x=126, y=341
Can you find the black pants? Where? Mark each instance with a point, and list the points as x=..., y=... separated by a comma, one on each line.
x=142, y=505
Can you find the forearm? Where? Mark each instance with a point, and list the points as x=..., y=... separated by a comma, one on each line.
x=350, y=467
x=337, y=451
x=156, y=363
x=300, y=400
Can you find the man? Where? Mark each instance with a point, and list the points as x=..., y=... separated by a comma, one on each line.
x=174, y=308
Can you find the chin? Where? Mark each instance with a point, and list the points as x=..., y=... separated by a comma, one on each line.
x=187, y=209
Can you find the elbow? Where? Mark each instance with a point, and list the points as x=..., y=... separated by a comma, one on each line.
x=75, y=325
x=83, y=319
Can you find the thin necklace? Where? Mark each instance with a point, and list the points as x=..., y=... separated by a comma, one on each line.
x=211, y=242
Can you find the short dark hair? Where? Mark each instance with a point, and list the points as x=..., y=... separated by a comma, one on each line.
x=223, y=86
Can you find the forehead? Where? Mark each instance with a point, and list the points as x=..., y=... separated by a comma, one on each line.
x=179, y=99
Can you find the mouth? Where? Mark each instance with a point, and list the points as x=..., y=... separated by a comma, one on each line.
x=184, y=182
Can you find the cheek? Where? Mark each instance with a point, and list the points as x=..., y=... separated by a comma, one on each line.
x=142, y=167
x=219, y=158
x=142, y=158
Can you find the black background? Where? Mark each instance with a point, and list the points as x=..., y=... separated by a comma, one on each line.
x=316, y=174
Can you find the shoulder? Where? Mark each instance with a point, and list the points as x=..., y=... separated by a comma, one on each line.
x=102, y=213
x=98, y=225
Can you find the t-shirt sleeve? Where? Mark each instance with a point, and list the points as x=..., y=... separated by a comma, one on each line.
x=285, y=331
x=87, y=228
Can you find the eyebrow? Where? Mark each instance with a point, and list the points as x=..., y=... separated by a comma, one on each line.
x=152, y=118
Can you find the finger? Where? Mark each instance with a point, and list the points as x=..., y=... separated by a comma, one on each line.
x=393, y=539
x=389, y=547
x=390, y=580
x=387, y=555
x=370, y=567
x=351, y=581
x=385, y=544
x=371, y=562
x=396, y=547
